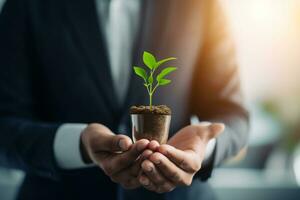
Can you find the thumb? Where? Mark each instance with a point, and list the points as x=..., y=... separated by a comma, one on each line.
x=113, y=143
x=216, y=129
x=101, y=138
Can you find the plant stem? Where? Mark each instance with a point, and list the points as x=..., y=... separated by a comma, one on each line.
x=150, y=98
x=154, y=88
x=151, y=91
x=147, y=89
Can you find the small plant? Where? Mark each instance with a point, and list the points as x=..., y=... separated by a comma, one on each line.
x=152, y=64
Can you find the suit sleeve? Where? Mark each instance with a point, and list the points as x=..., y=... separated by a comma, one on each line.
x=26, y=141
x=216, y=88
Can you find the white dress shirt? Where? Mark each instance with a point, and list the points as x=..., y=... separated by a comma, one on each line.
x=118, y=21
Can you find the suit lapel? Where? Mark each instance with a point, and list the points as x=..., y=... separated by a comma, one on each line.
x=84, y=20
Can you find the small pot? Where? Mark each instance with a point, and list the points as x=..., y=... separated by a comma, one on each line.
x=150, y=126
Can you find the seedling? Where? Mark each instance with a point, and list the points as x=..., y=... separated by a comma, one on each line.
x=152, y=64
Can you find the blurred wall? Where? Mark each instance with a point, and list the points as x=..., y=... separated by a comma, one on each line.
x=267, y=35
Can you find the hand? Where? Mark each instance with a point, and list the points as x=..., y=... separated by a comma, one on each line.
x=114, y=154
x=175, y=163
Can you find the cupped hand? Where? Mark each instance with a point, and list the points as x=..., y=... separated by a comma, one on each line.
x=114, y=154
x=175, y=163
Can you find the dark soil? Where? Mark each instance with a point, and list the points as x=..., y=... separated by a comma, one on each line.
x=151, y=124
x=158, y=110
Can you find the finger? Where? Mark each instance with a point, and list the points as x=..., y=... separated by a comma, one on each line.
x=169, y=169
x=146, y=183
x=128, y=177
x=131, y=184
x=152, y=173
x=216, y=129
x=112, y=143
x=162, y=184
x=123, y=160
x=127, y=181
x=135, y=169
x=183, y=159
x=166, y=187
x=153, y=145
x=147, y=153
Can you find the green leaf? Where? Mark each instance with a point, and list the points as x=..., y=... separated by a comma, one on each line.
x=164, y=82
x=149, y=60
x=165, y=72
x=164, y=61
x=150, y=79
x=140, y=72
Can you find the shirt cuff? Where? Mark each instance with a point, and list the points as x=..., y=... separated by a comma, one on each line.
x=67, y=146
x=211, y=145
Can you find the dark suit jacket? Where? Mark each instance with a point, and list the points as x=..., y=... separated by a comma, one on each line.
x=54, y=69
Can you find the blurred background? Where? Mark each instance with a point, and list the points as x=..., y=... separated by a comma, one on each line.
x=267, y=35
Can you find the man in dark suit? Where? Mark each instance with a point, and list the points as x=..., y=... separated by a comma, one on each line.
x=66, y=86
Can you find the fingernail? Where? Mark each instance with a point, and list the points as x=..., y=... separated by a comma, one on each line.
x=148, y=168
x=122, y=144
x=156, y=161
x=144, y=181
